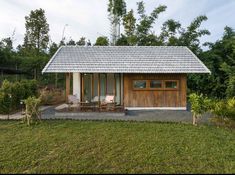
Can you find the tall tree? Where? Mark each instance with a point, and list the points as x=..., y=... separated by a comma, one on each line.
x=71, y=42
x=169, y=32
x=191, y=36
x=81, y=42
x=37, y=29
x=144, y=35
x=102, y=41
x=129, y=23
x=53, y=48
x=6, y=52
x=220, y=59
x=146, y=21
x=116, y=9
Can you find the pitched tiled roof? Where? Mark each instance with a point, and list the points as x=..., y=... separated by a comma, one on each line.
x=125, y=59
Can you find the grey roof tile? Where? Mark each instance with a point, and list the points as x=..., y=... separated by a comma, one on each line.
x=125, y=59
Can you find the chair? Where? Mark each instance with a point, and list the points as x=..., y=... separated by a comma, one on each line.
x=108, y=103
x=73, y=101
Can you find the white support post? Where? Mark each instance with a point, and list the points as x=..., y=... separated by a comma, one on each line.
x=76, y=85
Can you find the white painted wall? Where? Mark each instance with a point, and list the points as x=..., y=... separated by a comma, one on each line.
x=76, y=85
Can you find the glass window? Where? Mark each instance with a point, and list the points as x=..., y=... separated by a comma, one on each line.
x=102, y=85
x=118, y=89
x=155, y=84
x=171, y=84
x=87, y=87
x=140, y=84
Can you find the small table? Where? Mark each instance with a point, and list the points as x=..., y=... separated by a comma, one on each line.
x=87, y=106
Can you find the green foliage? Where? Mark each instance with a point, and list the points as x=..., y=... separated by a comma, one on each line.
x=53, y=48
x=129, y=23
x=32, y=112
x=36, y=36
x=219, y=108
x=170, y=30
x=81, y=42
x=117, y=7
x=102, y=41
x=231, y=108
x=146, y=21
x=190, y=36
x=224, y=108
x=199, y=105
x=6, y=101
x=220, y=59
x=12, y=93
x=71, y=42
x=230, y=91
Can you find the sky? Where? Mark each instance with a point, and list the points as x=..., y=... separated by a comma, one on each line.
x=89, y=18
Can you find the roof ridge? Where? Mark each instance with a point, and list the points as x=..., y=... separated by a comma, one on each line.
x=120, y=46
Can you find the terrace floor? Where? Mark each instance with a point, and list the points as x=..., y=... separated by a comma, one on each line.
x=130, y=115
x=49, y=112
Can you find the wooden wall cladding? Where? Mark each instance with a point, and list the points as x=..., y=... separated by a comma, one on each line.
x=156, y=97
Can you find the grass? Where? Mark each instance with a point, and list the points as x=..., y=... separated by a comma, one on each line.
x=115, y=147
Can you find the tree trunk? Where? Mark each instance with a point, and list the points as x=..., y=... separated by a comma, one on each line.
x=194, y=120
x=35, y=74
x=56, y=79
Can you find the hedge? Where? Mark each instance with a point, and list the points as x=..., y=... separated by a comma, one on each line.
x=11, y=94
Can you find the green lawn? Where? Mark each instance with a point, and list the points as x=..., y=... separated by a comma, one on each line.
x=109, y=147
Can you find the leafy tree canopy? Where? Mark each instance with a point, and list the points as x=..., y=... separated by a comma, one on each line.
x=102, y=41
x=36, y=37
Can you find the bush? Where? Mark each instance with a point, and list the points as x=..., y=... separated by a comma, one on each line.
x=224, y=108
x=13, y=93
x=231, y=108
x=5, y=103
x=52, y=96
x=32, y=112
x=199, y=105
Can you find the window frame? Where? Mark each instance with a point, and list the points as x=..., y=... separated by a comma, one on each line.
x=162, y=84
x=148, y=88
x=177, y=84
x=133, y=85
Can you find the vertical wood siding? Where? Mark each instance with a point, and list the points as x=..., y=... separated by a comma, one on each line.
x=155, y=98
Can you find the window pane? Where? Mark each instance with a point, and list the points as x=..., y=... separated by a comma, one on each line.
x=102, y=86
x=87, y=87
x=118, y=89
x=155, y=84
x=171, y=84
x=140, y=84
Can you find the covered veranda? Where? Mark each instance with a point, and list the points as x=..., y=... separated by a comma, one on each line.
x=94, y=92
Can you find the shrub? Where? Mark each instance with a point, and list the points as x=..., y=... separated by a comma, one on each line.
x=231, y=108
x=52, y=96
x=196, y=106
x=219, y=108
x=32, y=112
x=224, y=108
x=5, y=103
x=13, y=93
x=230, y=91
x=199, y=105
